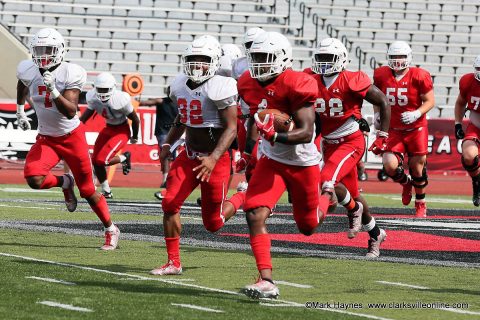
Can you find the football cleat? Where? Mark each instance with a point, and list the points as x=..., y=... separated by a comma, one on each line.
x=160, y=194
x=111, y=239
x=69, y=193
x=242, y=186
x=126, y=164
x=107, y=195
x=420, y=209
x=262, y=289
x=374, y=245
x=407, y=193
x=355, y=221
x=168, y=269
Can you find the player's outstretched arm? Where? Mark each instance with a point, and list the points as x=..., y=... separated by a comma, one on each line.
x=135, y=126
x=86, y=115
x=459, y=114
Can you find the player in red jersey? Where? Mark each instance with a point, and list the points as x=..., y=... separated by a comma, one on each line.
x=207, y=105
x=54, y=86
x=409, y=91
x=469, y=99
x=340, y=97
x=289, y=159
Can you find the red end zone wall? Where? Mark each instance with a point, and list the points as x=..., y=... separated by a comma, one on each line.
x=444, y=149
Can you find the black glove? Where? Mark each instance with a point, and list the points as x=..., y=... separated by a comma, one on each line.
x=459, y=134
x=363, y=124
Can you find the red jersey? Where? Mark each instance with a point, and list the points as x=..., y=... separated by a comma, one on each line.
x=342, y=100
x=404, y=94
x=289, y=92
x=470, y=91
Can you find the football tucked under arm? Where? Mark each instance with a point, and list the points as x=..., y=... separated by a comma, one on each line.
x=283, y=122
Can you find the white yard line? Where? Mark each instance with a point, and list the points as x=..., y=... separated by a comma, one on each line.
x=459, y=311
x=52, y=280
x=23, y=207
x=403, y=285
x=291, y=284
x=149, y=279
x=474, y=225
x=437, y=200
x=64, y=306
x=25, y=190
x=192, y=306
x=293, y=304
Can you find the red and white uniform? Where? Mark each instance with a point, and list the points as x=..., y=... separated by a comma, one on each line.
x=470, y=91
x=115, y=135
x=404, y=94
x=58, y=137
x=339, y=101
x=199, y=108
x=282, y=166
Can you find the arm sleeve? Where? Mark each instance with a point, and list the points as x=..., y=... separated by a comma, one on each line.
x=77, y=76
x=425, y=82
x=304, y=91
x=360, y=83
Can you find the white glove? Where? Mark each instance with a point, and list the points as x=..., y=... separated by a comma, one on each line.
x=409, y=117
x=49, y=81
x=23, y=121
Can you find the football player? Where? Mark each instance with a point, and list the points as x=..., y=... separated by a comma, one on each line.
x=207, y=105
x=54, y=86
x=338, y=104
x=115, y=106
x=289, y=159
x=409, y=91
x=469, y=99
x=230, y=53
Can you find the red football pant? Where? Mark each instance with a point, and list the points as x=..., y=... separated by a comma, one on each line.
x=341, y=161
x=72, y=148
x=182, y=180
x=270, y=180
x=110, y=140
x=413, y=143
x=472, y=133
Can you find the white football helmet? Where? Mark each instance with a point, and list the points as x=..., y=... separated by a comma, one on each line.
x=269, y=55
x=329, y=57
x=104, y=86
x=476, y=67
x=399, y=48
x=232, y=51
x=249, y=36
x=47, y=48
x=206, y=46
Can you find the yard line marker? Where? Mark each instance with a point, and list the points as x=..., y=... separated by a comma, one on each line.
x=25, y=190
x=64, y=306
x=459, y=311
x=403, y=285
x=149, y=279
x=52, y=280
x=192, y=306
x=293, y=304
x=291, y=284
x=23, y=207
x=266, y=304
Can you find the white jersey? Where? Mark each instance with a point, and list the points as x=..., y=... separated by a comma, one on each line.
x=239, y=66
x=115, y=110
x=198, y=108
x=51, y=122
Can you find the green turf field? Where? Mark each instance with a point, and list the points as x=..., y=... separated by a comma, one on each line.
x=116, y=285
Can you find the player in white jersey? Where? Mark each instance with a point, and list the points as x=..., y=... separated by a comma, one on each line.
x=115, y=106
x=54, y=87
x=230, y=53
x=207, y=105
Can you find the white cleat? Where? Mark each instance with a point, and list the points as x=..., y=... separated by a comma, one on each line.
x=167, y=269
x=262, y=289
x=242, y=186
x=374, y=245
x=355, y=221
x=69, y=193
x=111, y=239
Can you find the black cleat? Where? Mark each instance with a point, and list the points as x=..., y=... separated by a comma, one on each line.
x=476, y=191
x=126, y=165
x=107, y=195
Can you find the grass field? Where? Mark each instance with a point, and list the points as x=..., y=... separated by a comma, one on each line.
x=92, y=284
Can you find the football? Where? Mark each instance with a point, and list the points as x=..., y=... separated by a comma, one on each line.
x=283, y=122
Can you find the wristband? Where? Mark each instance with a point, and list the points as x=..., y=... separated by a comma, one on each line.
x=455, y=121
x=166, y=144
x=55, y=93
x=281, y=137
x=20, y=108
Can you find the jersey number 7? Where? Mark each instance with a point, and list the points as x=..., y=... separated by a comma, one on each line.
x=41, y=91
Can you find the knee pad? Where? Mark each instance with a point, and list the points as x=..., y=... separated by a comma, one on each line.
x=420, y=182
x=471, y=167
x=170, y=207
x=399, y=175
